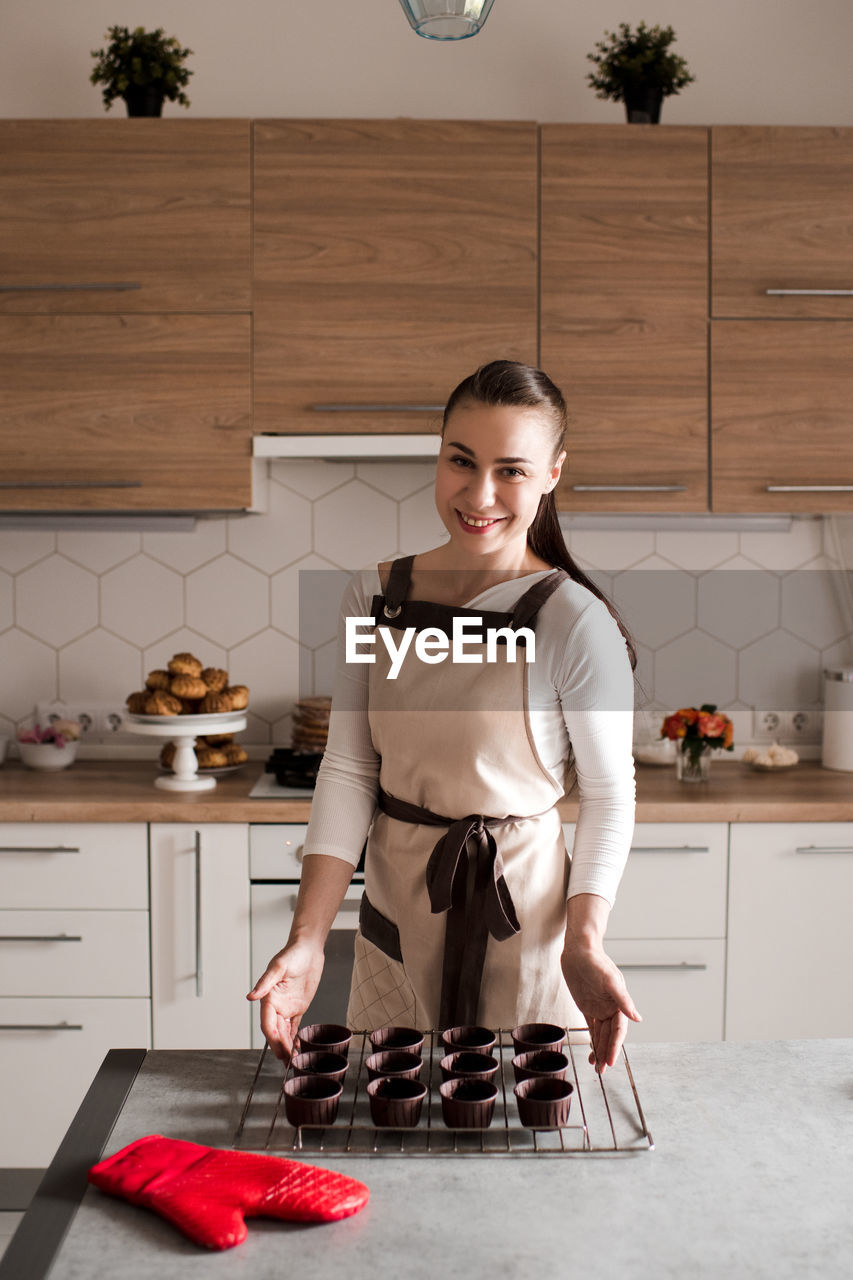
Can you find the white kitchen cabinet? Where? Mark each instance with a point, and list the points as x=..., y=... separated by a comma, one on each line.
x=200, y=936
x=667, y=928
x=790, y=947
x=50, y=1050
x=74, y=971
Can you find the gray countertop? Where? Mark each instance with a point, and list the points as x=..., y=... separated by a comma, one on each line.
x=750, y=1176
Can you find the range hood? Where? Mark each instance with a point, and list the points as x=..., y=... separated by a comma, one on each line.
x=375, y=447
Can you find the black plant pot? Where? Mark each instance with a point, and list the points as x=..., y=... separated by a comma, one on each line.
x=642, y=104
x=143, y=100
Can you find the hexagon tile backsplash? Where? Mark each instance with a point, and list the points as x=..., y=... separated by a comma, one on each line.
x=741, y=619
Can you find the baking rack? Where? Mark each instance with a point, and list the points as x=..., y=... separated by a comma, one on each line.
x=606, y=1115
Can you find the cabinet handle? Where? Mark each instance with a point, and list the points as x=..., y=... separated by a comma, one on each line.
x=38, y=848
x=40, y=937
x=669, y=848
x=809, y=293
x=40, y=1026
x=629, y=488
x=809, y=488
x=681, y=964
x=378, y=408
x=108, y=286
x=820, y=848
x=348, y=904
x=70, y=484
x=198, y=977
x=299, y=852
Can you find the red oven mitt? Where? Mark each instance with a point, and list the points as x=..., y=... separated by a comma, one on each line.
x=207, y=1192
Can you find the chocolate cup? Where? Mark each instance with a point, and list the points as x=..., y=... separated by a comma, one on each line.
x=468, y=1103
x=317, y=1062
x=393, y=1062
x=533, y=1036
x=311, y=1100
x=468, y=1065
x=395, y=1102
x=544, y=1063
x=544, y=1102
x=329, y=1037
x=408, y=1038
x=471, y=1039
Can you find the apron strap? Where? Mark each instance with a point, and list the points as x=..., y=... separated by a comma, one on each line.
x=531, y=602
x=398, y=585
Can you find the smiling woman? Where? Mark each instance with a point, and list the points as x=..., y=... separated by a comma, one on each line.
x=485, y=920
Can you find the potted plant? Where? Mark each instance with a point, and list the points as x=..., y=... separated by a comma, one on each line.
x=639, y=69
x=143, y=67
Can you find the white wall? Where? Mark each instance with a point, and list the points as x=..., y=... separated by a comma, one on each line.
x=756, y=62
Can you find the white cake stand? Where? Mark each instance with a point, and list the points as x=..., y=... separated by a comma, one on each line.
x=184, y=729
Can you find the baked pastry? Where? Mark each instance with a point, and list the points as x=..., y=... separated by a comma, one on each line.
x=238, y=695
x=215, y=678
x=215, y=739
x=185, y=664
x=234, y=753
x=212, y=703
x=167, y=754
x=160, y=703
x=157, y=680
x=189, y=706
x=187, y=686
x=135, y=702
x=211, y=758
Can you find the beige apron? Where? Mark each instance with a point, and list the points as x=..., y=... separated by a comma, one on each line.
x=455, y=740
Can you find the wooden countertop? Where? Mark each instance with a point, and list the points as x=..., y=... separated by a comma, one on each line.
x=124, y=791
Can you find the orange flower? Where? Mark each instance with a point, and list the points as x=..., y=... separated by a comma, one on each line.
x=729, y=735
x=673, y=726
x=688, y=714
x=711, y=726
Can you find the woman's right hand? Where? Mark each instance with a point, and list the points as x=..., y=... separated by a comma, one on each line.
x=285, y=990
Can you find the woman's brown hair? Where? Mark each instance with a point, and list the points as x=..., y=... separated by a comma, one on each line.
x=509, y=383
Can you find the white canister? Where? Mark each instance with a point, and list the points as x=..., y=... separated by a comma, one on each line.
x=838, y=719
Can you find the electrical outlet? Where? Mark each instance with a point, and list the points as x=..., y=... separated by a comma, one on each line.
x=96, y=719
x=109, y=721
x=807, y=726
x=769, y=726
x=787, y=726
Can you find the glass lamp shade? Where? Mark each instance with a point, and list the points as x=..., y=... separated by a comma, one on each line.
x=447, y=19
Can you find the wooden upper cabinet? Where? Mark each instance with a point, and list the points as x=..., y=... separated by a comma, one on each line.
x=162, y=205
x=780, y=411
x=782, y=217
x=125, y=413
x=624, y=312
x=391, y=258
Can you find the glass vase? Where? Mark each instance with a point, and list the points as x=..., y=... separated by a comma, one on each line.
x=693, y=763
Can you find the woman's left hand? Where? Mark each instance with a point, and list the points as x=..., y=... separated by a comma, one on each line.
x=599, y=991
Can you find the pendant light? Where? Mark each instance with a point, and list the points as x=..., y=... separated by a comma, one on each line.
x=447, y=19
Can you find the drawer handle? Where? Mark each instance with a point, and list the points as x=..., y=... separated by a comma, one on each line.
x=809, y=488
x=809, y=293
x=629, y=488
x=348, y=904
x=682, y=964
x=820, y=848
x=670, y=848
x=108, y=286
x=37, y=848
x=40, y=937
x=378, y=408
x=40, y=1026
x=70, y=484
x=198, y=977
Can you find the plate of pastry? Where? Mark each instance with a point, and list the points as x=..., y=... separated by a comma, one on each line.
x=772, y=759
x=218, y=757
x=185, y=687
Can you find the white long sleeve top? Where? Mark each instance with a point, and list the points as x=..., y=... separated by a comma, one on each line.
x=581, y=698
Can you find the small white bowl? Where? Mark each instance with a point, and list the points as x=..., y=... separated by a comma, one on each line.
x=46, y=755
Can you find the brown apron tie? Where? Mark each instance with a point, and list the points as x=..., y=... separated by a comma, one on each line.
x=465, y=878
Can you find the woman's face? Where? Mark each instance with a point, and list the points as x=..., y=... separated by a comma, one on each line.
x=493, y=467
